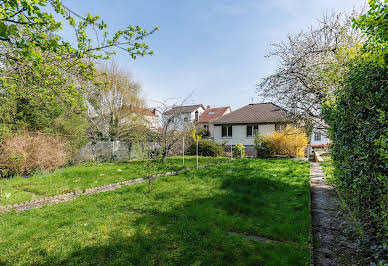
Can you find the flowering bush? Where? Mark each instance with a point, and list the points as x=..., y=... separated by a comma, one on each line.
x=290, y=142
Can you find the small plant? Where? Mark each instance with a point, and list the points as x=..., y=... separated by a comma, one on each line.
x=239, y=150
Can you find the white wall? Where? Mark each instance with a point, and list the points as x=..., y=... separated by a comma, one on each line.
x=324, y=139
x=239, y=134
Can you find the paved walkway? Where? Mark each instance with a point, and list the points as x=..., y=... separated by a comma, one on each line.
x=331, y=246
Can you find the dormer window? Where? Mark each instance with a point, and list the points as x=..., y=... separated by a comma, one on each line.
x=211, y=113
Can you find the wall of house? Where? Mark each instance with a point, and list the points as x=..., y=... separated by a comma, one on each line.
x=239, y=134
x=324, y=139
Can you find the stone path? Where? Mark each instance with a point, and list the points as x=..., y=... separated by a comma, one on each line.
x=89, y=191
x=331, y=245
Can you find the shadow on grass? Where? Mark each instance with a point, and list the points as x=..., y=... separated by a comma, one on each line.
x=193, y=226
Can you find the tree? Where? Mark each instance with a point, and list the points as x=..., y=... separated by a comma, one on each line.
x=312, y=66
x=172, y=128
x=115, y=103
x=40, y=72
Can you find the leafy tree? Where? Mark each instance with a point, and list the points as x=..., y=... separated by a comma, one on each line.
x=115, y=102
x=41, y=73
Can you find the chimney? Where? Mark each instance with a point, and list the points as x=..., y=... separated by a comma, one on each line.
x=208, y=107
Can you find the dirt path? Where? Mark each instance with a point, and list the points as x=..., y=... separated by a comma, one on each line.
x=331, y=245
x=89, y=191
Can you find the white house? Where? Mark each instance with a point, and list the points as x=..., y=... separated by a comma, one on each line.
x=241, y=125
x=183, y=116
x=319, y=137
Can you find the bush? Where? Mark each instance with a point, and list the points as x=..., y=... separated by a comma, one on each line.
x=359, y=131
x=239, y=150
x=207, y=148
x=290, y=142
x=264, y=147
x=24, y=153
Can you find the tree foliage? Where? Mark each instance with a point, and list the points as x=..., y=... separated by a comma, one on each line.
x=359, y=131
x=312, y=65
x=41, y=73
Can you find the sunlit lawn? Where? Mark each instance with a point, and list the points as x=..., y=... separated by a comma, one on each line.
x=186, y=219
x=69, y=179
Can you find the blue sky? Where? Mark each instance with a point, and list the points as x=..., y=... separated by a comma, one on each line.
x=213, y=50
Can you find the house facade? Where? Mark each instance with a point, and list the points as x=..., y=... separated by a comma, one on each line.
x=242, y=125
x=319, y=137
x=183, y=116
x=211, y=114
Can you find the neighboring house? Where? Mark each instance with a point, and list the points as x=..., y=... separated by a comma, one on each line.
x=241, y=125
x=319, y=137
x=183, y=116
x=211, y=114
x=150, y=116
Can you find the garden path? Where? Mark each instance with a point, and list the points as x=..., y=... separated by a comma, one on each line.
x=331, y=245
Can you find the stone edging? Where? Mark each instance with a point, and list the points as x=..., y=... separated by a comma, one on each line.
x=89, y=191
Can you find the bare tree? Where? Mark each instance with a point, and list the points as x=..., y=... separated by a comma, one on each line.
x=311, y=66
x=172, y=127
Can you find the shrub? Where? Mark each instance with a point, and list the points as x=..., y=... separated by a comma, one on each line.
x=239, y=150
x=207, y=148
x=264, y=147
x=290, y=142
x=359, y=131
x=25, y=153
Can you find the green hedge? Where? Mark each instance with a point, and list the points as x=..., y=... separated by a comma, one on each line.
x=207, y=148
x=359, y=131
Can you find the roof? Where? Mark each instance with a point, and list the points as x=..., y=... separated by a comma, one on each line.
x=143, y=111
x=183, y=109
x=255, y=113
x=212, y=113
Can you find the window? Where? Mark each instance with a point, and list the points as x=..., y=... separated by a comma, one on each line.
x=252, y=130
x=278, y=127
x=317, y=136
x=185, y=119
x=196, y=115
x=206, y=126
x=226, y=131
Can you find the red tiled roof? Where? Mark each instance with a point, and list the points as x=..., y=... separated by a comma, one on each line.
x=255, y=113
x=143, y=111
x=212, y=113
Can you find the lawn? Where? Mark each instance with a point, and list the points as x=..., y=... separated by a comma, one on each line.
x=328, y=169
x=69, y=179
x=198, y=217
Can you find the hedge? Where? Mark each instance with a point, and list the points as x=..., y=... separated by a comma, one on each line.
x=359, y=131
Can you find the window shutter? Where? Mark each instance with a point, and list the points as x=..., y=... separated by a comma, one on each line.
x=230, y=131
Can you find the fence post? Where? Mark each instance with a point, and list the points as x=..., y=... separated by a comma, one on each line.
x=231, y=151
x=197, y=152
x=183, y=151
x=241, y=150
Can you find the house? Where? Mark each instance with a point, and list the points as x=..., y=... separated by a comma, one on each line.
x=241, y=125
x=319, y=137
x=182, y=116
x=211, y=114
x=150, y=116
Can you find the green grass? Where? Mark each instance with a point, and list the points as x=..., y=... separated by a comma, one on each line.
x=328, y=169
x=69, y=179
x=186, y=219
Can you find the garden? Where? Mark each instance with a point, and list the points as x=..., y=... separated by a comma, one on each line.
x=248, y=211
